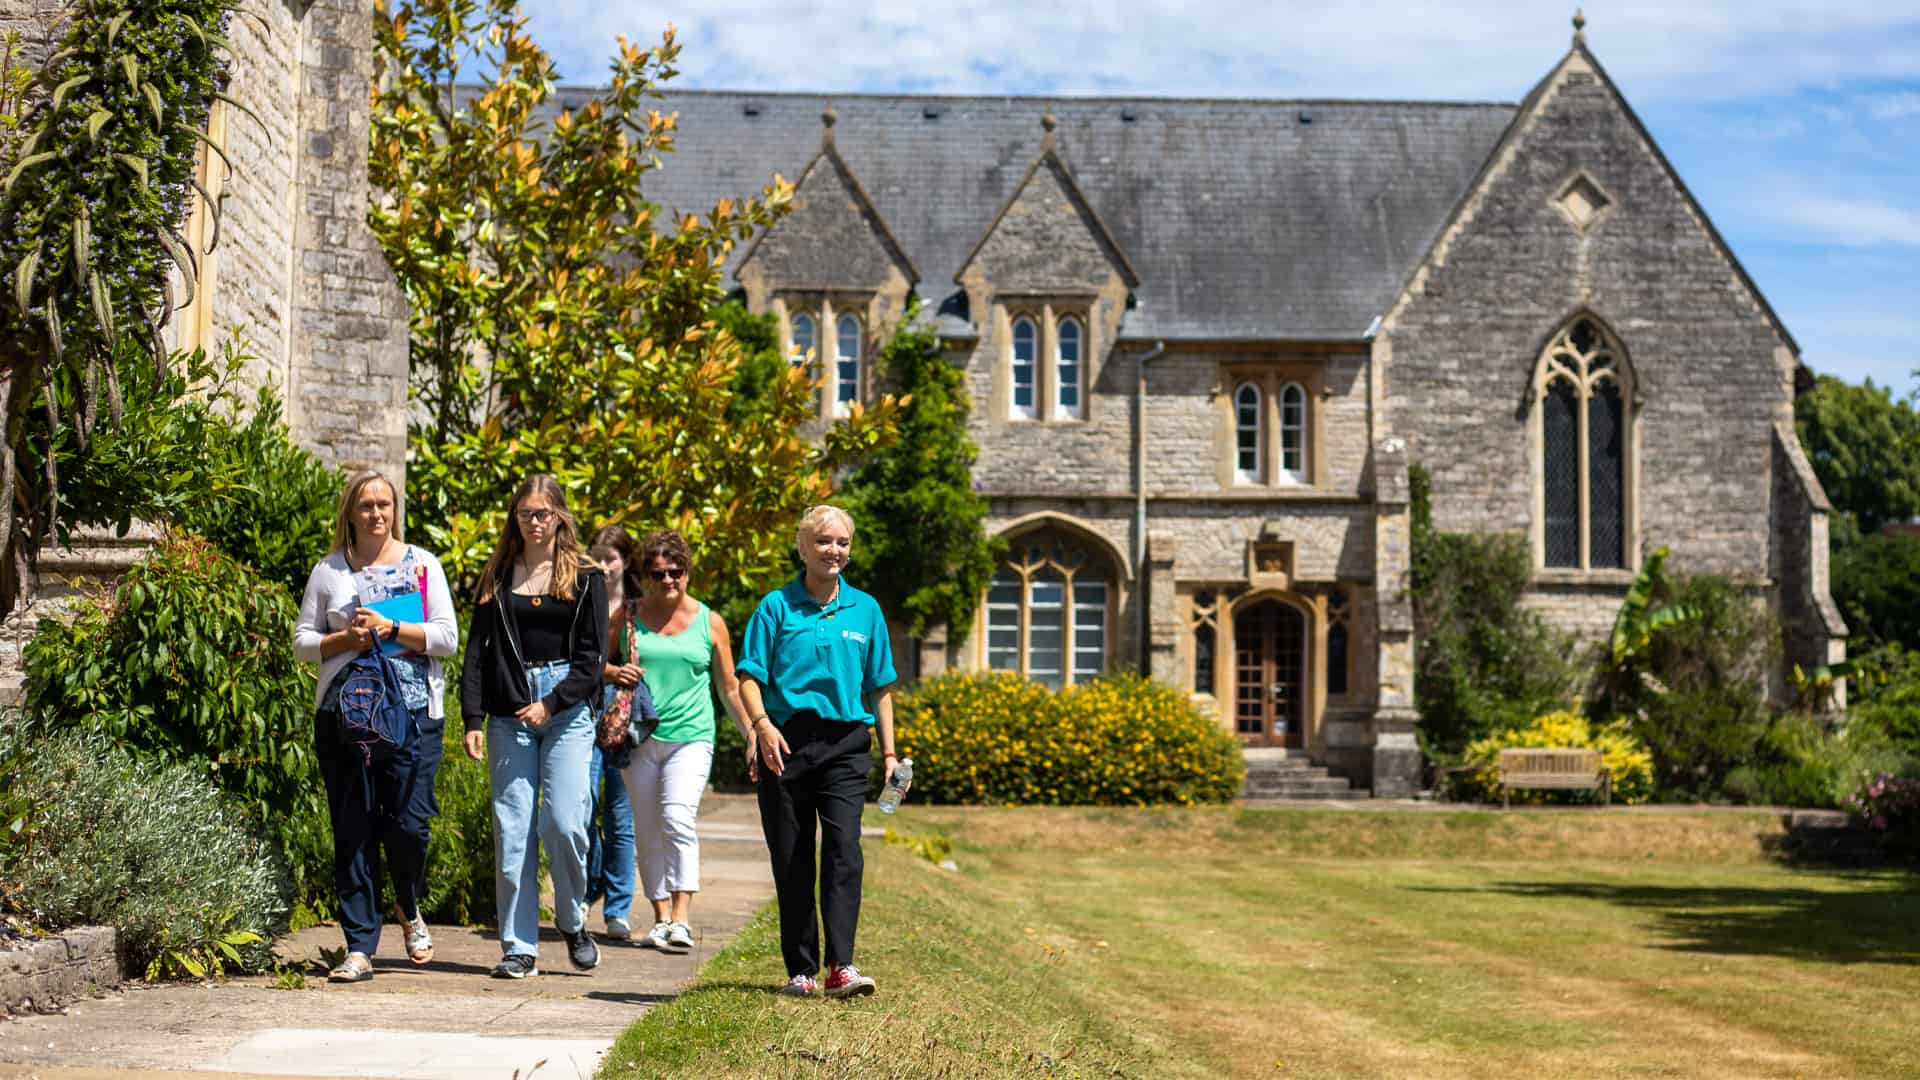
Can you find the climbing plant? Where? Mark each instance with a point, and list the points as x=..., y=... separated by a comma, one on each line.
x=100, y=181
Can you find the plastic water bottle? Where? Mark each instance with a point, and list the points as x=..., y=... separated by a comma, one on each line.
x=897, y=786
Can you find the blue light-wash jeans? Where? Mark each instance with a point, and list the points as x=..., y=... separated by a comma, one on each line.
x=610, y=865
x=551, y=763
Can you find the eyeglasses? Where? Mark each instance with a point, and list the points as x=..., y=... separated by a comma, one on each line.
x=537, y=517
x=671, y=573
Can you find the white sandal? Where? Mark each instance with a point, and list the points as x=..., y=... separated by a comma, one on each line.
x=355, y=968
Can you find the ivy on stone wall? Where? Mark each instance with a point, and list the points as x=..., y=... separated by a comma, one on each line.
x=90, y=213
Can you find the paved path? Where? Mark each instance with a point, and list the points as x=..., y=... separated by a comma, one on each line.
x=444, y=1020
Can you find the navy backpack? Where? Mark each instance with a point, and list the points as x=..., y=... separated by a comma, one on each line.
x=373, y=710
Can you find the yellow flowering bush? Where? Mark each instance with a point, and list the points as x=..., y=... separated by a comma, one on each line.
x=1626, y=759
x=1119, y=741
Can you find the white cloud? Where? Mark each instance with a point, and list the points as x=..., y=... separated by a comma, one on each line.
x=1467, y=49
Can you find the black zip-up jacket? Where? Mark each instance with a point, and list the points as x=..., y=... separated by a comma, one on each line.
x=493, y=681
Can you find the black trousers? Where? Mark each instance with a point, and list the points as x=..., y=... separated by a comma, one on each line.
x=825, y=782
x=382, y=807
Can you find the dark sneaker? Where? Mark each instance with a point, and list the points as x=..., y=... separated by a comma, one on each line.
x=800, y=986
x=582, y=953
x=845, y=980
x=516, y=966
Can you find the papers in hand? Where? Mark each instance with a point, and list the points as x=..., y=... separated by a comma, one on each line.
x=398, y=593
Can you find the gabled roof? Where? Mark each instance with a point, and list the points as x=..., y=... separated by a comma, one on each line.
x=1511, y=134
x=1242, y=219
x=862, y=203
x=1049, y=159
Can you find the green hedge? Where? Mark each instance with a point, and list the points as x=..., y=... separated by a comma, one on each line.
x=151, y=848
x=1118, y=741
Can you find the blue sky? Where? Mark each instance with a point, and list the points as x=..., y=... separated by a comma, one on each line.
x=1796, y=124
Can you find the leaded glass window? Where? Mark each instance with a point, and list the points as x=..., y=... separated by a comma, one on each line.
x=1048, y=610
x=1248, y=420
x=801, y=332
x=847, y=364
x=1026, y=350
x=1293, y=433
x=1585, y=433
x=1067, y=367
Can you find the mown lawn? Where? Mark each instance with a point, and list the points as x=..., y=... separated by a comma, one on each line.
x=1329, y=944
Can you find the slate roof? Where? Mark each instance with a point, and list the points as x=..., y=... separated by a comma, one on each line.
x=1245, y=219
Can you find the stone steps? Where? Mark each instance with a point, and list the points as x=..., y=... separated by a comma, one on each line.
x=1275, y=773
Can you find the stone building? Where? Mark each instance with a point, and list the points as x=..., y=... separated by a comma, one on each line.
x=1206, y=339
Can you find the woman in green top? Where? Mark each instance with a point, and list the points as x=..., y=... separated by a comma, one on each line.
x=683, y=652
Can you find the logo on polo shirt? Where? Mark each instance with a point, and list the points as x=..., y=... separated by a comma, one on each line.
x=854, y=635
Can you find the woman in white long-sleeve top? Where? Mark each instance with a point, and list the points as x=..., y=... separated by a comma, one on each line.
x=380, y=802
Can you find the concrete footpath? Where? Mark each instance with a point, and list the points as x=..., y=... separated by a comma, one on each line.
x=446, y=1019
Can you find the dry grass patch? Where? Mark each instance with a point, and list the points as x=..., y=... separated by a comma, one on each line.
x=1229, y=943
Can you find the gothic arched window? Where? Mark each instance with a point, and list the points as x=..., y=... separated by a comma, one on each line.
x=801, y=332
x=1023, y=363
x=1249, y=422
x=846, y=388
x=1583, y=390
x=1068, y=364
x=1293, y=433
x=1049, y=610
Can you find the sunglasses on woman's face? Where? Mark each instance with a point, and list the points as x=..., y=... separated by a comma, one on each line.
x=671, y=573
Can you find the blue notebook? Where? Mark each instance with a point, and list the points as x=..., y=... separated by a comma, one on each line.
x=396, y=592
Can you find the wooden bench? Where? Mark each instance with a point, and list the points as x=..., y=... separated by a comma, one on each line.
x=1568, y=769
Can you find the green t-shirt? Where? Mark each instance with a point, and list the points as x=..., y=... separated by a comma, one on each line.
x=678, y=671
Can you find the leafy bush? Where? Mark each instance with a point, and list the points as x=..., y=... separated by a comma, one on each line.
x=1118, y=741
x=1697, y=692
x=1485, y=663
x=1627, y=762
x=1888, y=701
x=190, y=661
x=1800, y=762
x=1876, y=582
x=460, y=870
x=1890, y=805
x=279, y=518
x=149, y=847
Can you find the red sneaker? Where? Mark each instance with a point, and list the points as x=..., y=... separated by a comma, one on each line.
x=845, y=980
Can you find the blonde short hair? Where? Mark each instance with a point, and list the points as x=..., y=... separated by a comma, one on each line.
x=816, y=516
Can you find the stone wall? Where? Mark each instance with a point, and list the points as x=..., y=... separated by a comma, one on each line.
x=347, y=347
x=42, y=974
x=68, y=574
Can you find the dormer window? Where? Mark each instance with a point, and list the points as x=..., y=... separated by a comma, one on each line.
x=1048, y=360
x=801, y=335
x=1026, y=351
x=1068, y=364
x=846, y=383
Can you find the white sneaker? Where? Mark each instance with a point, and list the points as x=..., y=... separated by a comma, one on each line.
x=657, y=937
x=680, y=935
x=800, y=986
x=618, y=929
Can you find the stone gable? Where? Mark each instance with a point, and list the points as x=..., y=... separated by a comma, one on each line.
x=1047, y=241
x=1704, y=352
x=833, y=239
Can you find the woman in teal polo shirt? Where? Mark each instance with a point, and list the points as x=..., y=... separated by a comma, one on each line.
x=815, y=670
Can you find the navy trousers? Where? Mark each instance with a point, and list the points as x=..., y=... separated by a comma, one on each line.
x=820, y=794
x=381, y=813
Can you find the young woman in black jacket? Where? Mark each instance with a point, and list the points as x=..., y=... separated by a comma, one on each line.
x=535, y=655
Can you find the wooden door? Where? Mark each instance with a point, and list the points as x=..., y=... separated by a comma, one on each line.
x=1270, y=641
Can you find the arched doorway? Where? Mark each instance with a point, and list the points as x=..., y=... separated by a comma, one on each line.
x=1270, y=682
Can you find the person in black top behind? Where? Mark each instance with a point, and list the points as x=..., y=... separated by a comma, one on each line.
x=535, y=656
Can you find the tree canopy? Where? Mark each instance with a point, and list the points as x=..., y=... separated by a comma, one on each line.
x=559, y=322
